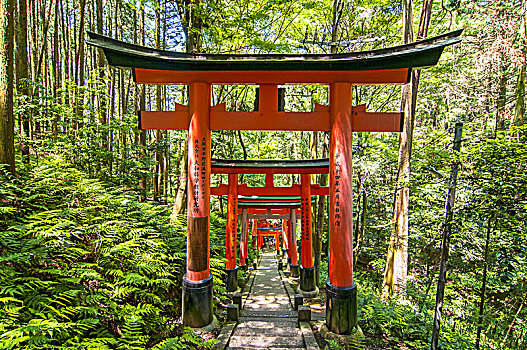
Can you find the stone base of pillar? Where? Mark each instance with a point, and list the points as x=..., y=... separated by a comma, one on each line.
x=341, y=309
x=244, y=267
x=354, y=340
x=308, y=286
x=231, y=280
x=197, y=303
x=294, y=271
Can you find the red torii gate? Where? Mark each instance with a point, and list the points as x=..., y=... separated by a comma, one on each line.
x=272, y=197
x=340, y=118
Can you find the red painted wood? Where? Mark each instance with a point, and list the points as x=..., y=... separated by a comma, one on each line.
x=262, y=170
x=372, y=77
x=288, y=121
x=265, y=120
x=172, y=120
x=292, y=238
x=340, y=175
x=281, y=211
x=244, y=238
x=244, y=190
x=198, y=204
x=268, y=98
x=232, y=222
x=254, y=234
x=307, y=243
x=285, y=235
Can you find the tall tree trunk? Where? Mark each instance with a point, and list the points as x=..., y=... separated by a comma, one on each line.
x=519, y=110
x=7, y=122
x=22, y=74
x=158, y=178
x=79, y=77
x=56, y=70
x=447, y=231
x=142, y=107
x=395, y=274
x=101, y=66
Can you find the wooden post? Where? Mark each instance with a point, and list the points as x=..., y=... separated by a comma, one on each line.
x=292, y=244
x=231, y=270
x=244, y=240
x=255, y=233
x=197, y=283
x=307, y=271
x=341, y=313
x=285, y=239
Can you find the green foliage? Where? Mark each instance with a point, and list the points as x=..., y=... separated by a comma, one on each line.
x=86, y=264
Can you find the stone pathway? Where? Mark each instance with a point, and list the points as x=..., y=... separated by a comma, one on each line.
x=267, y=320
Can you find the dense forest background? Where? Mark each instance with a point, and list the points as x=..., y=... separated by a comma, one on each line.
x=92, y=210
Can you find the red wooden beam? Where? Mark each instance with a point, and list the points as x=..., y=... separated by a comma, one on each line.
x=244, y=190
x=370, y=77
x=254, y=211
x=271, y=120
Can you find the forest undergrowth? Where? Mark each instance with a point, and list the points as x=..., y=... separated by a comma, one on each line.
x=85, y=265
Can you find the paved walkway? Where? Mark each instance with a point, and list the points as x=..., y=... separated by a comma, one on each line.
x=267, y=320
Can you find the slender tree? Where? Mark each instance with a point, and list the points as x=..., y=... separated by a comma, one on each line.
x=7, y=122
x=395, y=274
x=22, y=73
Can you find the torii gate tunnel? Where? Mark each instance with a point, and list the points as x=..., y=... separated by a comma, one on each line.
x=268, y=198
x=340, y=118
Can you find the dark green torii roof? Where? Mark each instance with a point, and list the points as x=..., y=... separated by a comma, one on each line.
x=419, y=54
x=275, y=163
x=268, y=199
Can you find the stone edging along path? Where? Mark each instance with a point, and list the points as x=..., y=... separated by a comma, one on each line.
x=267, y=319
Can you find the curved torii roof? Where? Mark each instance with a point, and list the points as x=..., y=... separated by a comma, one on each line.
x=391, y=65
x=232, y=166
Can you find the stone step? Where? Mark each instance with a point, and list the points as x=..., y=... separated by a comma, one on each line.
x=275, y=331
x=269, y=314
x=258, y=348
x=266, y=341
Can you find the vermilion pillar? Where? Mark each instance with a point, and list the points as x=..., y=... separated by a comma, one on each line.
x=285, y=239
x=254, y=233
x=197, y=283
x=244, y=240
x=307, y=271
x=231, y=270
x=341, y=311
x=292, y=244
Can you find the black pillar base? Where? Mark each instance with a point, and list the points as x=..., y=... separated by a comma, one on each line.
x=247, y=261
x=285, y=252
x=197, y=302
x=294, y=271
x=341, y=308
x=307, y=279
x=231, y=280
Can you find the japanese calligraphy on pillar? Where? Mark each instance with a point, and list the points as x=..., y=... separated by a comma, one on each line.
x=305, y=218
x=336, y=179
x=199, y=173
